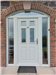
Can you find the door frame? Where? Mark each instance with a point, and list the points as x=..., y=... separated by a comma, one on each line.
x=15, y=37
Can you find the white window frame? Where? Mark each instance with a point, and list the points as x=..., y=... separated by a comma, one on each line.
x=15, y=38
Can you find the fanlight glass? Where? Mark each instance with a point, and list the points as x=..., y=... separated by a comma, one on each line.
x=28, y=13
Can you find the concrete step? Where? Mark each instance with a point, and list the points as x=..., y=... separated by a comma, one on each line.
x=26, y=73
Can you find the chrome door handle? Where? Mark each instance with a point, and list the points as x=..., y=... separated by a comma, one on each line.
x=37, y=41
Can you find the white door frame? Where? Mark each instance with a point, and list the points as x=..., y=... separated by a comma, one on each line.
x=15, y=38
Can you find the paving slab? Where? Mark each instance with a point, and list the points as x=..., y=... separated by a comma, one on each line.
x=1, y=69
x=26, y=74
x=44, y=70
x=54, y=69
x=0, y=73
x=10, y=70
x=22, y=74
x=45, y=74
x=8, y=74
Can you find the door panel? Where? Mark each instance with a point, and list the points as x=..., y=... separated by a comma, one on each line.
x=32, y=53
x=23, y=53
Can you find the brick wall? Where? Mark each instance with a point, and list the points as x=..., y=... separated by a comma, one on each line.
x=10, y=6
x=5, y=4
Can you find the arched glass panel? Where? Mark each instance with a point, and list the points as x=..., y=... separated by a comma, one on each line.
x=28, y=13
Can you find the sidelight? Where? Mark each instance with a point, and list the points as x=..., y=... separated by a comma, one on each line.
x=11, y=41
x=44, y=40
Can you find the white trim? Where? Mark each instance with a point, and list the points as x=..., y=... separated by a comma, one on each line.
x=15, y=38
x=20, y=64
x=40, y=39
x=49, y=41
x=15, y=41
x=32, y=16
x=6, y=41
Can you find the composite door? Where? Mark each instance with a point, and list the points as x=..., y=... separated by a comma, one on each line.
x=28, y=42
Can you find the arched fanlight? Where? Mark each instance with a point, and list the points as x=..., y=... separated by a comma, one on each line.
x=28, y=13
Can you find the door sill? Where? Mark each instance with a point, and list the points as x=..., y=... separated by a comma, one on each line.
x=24, y=64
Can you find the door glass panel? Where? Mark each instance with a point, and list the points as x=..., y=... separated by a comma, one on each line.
x=11, y=41
x=31, y=22
x=23, y=22
x=44, y=40
x=24, y=35
x=31, y=34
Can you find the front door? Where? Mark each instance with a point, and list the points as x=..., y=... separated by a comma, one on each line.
x=28, y=42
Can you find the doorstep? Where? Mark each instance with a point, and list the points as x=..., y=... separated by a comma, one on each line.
x=40, y=71
x=1, y=69
x=26, y=74
x=54, y=69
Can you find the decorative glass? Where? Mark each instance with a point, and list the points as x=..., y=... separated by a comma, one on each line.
x=23, y=35
x=31, y=34
x=23, y=22
x=31, y=22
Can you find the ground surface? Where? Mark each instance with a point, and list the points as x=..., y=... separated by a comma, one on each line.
x=40, y=71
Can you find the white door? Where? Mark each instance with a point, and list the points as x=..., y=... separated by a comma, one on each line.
x=28, y=42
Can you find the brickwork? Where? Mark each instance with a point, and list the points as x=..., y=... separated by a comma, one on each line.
x=35, y=6
x=5, y=4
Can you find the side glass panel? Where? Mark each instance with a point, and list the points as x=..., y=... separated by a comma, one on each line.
x=44, y=40
x=23, y=34
x=31, y=34
x=11, y=41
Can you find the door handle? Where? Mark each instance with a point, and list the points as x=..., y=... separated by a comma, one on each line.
x=37, y=41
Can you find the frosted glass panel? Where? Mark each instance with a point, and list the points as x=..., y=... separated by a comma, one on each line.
x=32, y=35
x=23, y=22
x=31, y=22
x=23, y=35
x=28, y=13
x=11, y=41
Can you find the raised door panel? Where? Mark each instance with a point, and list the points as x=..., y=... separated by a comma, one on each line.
x=31, y=53
x=23, y=53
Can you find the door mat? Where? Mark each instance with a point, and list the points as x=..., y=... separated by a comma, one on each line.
x=27, y=69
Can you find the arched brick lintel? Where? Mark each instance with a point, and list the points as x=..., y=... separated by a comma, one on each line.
x=34, y=6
